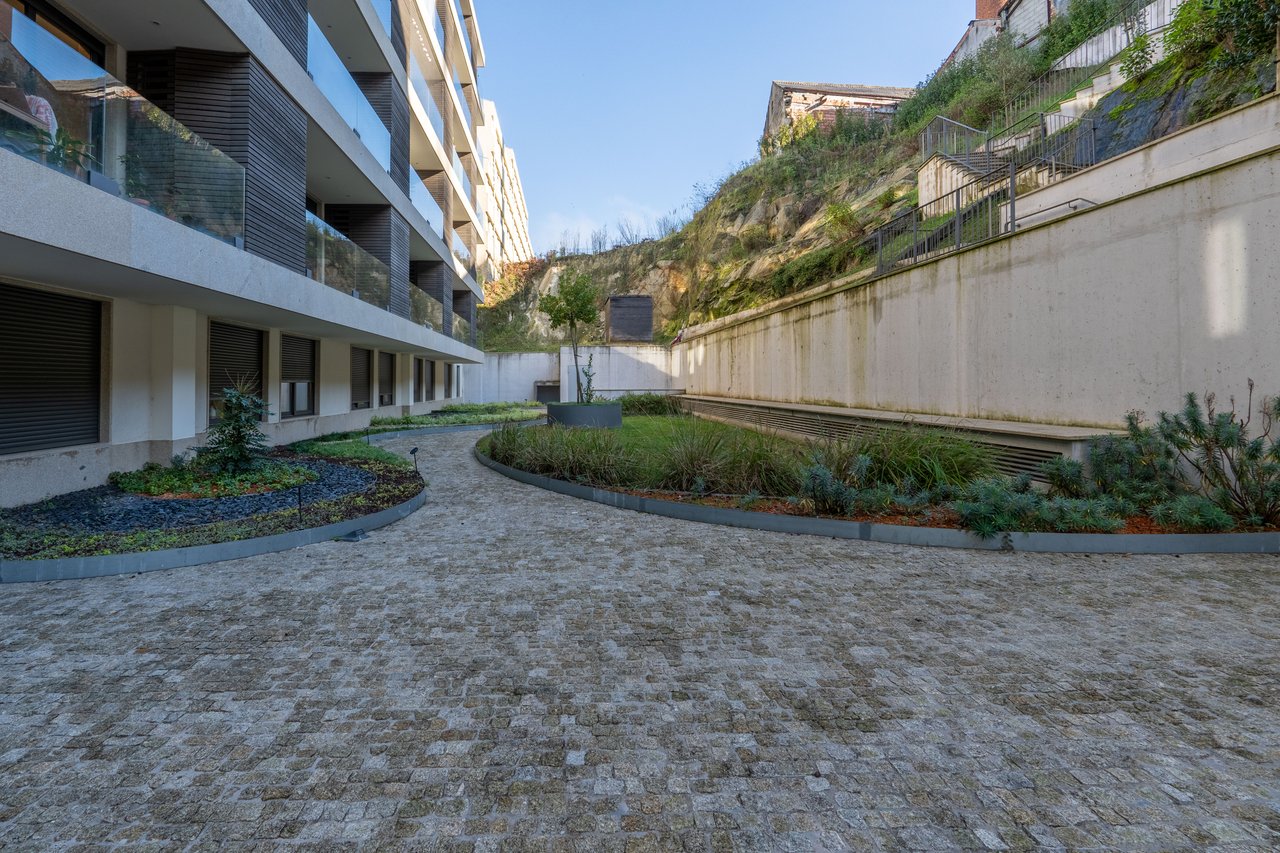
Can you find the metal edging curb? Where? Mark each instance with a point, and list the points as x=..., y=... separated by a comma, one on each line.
x=894, y=534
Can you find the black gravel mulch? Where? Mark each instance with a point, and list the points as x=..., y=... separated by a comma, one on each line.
x=106, y=509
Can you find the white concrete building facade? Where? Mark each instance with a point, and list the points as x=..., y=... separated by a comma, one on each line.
x=212, y=192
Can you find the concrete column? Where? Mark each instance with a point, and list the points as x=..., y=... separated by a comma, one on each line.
x=175, y=404
x=334, y=378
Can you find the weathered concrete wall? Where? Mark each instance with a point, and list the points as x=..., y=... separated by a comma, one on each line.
x=1121, y=306
x=619, y=370
x=508, y=376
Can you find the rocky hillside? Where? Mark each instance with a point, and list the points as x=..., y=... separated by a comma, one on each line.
x=794, y=218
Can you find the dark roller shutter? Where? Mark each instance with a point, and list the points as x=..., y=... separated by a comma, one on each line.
x=235, y=359
x=297, y=359
x=386, y=378
x=361, y=362
x=50, y=370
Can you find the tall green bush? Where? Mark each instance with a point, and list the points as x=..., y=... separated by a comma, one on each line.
x=236, y=441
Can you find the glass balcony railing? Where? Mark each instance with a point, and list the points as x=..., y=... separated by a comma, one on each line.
x=463, y=178
x=438, y=24
x=461, y=328
x=426, y=203
x=326, y=68
x=462, y=100
x=334, y=260
x=423, y=88
x=462, y=23
x=59, y=109
x=424, y=310
x=383, y=8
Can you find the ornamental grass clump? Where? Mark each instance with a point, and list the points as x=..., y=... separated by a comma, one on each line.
x=589, y=456
x=925, y=458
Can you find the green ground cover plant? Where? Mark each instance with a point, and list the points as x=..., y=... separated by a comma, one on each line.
x=186, y=479
x=1201, y=469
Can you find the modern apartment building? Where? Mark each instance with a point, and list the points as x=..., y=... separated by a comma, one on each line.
x=205, y=193
x=508, y=213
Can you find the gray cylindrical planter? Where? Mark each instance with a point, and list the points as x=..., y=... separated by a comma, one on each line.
x=585, y=414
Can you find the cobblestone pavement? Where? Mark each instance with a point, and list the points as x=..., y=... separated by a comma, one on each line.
x=512, y=669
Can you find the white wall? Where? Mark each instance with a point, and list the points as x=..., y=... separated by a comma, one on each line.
x=1128, y=305
x=508, y=376
x=620, y=369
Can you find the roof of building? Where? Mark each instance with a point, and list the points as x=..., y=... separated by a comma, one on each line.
x=847, y=89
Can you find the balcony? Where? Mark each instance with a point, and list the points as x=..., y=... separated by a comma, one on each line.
x=461, y=329
x=426, y=203
x=333, y=79
x=464, y=179
x=423, y=89
x=59, y=109
x=424, y=310
x=334, y=260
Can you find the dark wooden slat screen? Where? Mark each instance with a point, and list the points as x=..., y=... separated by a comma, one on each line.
x=235, y=359
x=361, y=362
x=50, y=370
x=297, y=359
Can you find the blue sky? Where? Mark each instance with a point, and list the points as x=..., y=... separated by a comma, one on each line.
x=618, y=109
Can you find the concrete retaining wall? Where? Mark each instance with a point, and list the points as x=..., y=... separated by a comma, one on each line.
x=1127, y=305
x=621, y=369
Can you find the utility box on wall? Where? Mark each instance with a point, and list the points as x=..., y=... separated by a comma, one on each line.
x=628, y=318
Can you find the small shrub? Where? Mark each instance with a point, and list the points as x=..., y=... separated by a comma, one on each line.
x=649, y=405
x=1139, y=56
x=826, y=491
x=1193, y=512
x=755, y=238
x=887, y=198
x=998, y=505
x=843, y=222
x=1240, y=472
x=236, y=442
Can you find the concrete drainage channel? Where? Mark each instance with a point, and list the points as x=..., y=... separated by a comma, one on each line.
x=75, y=568
x=893, y=534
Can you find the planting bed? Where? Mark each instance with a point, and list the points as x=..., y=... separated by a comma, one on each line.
x=105, y=520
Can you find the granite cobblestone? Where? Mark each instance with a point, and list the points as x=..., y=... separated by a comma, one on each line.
x=510, y=669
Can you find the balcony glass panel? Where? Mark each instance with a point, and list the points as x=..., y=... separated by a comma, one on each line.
x=60, y=109
x=426, y=203
x=383, y=8
x=326, y=68
x=462, y=99
x=466, y=36
x=423, y=88
x=439, y=27
x=463, y=177
x=461, y=328
x=424, y=310
x=336, y=261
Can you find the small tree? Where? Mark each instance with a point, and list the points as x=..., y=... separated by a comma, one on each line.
x=236, y=442
x=576, y=305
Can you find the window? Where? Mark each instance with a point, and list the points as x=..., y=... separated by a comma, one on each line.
x=62, y=28
x=448, y=381
x=297, y=377
x=235, y=361
x=421, y=380
x=361, y=378
x=50, y=370
x=386, y=379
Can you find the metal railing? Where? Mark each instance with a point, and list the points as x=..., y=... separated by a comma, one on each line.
x=1048, y=148
x=1089, y=59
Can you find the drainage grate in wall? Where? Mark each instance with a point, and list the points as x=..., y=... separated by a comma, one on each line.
x=1012, y=458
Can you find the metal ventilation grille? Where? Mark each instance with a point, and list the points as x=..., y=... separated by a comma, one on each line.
x=1011, y=459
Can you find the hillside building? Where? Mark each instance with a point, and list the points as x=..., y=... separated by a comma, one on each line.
x=789, y=101
x=203, y=193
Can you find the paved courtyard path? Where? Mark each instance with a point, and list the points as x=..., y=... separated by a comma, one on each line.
x=510, y=669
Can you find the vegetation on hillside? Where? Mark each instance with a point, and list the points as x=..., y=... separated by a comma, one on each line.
x=795, y=217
